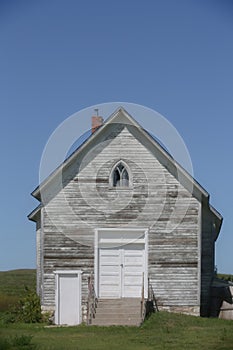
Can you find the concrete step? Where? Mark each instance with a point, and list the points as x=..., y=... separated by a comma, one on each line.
x=124, y=312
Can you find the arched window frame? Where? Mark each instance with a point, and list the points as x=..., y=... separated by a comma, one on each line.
x=111, y=179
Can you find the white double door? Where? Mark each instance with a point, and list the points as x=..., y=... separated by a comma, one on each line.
x=121, y=271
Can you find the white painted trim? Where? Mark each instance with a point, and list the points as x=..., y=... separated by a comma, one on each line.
x=56, y=298
x=120, y=229
x=58, y=273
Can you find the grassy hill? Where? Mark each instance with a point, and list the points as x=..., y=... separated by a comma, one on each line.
x=13, y=282
x=12, y=285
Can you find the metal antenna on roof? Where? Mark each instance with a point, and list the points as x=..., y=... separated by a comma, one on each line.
x=97, y=111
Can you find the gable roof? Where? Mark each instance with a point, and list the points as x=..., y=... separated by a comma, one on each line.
x=122, y=116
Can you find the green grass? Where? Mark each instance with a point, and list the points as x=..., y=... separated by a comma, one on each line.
x=12, y=286
x=13, y=282
x=161, y=331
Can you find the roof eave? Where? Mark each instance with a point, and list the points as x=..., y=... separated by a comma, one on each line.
x=218, y=221
x=34, y=215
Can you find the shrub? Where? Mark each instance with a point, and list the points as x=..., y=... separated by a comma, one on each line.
x=27, y=310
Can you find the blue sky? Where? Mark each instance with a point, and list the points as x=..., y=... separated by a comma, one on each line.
x=58, y=57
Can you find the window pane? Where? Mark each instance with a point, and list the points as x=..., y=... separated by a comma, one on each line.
x=116, y=178
x=120, y=167
x=125, y=178
x=125, y=175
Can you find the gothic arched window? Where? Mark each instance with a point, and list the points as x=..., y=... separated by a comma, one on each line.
x=120, y=176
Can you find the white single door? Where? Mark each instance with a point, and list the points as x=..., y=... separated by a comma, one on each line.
x=68, y=299
x=121, y=271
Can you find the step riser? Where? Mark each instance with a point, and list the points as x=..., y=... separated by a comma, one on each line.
x=115, y=323
x=112, y=306
x=119, y=309
x=118, y=302
x=117, y=317
x=121, y=320
x=123, y=315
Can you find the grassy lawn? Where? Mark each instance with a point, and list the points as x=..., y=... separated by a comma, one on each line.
x=162, y=331
x=13, y=282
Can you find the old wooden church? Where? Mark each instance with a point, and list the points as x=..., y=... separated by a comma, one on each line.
x=121, y=226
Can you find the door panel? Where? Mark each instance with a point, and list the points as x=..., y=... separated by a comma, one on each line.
x=69, y=299
x=134, y=266
x=109, y=273
x=121, y=270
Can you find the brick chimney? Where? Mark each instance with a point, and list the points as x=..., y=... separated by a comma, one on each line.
x=96, y=121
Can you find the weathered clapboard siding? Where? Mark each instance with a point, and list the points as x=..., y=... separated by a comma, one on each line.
x=39, y=261
x=156, y=201
x=174, y=261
